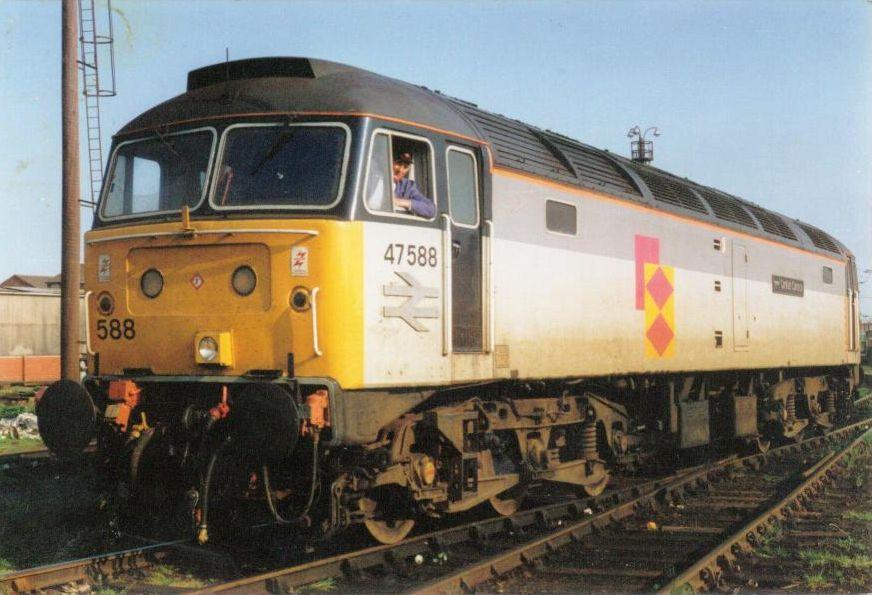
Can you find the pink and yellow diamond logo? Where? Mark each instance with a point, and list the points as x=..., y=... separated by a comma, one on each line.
x=659, y=283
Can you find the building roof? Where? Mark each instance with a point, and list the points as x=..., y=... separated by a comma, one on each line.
x=288, y=86
x=38, y=281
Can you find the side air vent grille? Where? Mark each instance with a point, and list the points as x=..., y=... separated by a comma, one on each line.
x=594, y=167
x=727, y=208
x=669, y=191
x=819, y=238
x=771, y=222
x=516, y=146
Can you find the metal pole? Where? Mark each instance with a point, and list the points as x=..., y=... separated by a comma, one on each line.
x=70, y=192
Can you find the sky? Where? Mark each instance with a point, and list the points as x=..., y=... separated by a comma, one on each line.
x=767, y=100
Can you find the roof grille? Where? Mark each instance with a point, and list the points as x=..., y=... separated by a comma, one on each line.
x=726, y=207
x=516, y=146
x=669, y=191
x=819, y=238
x=771, y=222
x=594, y=167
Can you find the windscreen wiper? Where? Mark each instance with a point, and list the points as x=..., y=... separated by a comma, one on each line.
x=279, y=143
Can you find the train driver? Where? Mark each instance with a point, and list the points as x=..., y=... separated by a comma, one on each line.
x=406, y=193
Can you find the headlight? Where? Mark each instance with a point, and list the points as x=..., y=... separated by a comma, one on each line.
x=208, y=348
x=300, y=300
x=151, y=283
x=244, y=280
x=105, y=304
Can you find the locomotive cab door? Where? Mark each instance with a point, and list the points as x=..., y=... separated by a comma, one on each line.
x=464, y=227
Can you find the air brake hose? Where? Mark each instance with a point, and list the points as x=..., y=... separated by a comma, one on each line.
x=268, y=490
x=203, y=529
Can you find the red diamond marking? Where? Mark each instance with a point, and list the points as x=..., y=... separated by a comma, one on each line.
x=659, y=288
x=197, y=281
x=660, y=335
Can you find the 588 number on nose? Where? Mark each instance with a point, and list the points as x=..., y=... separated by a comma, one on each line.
x=115, y=329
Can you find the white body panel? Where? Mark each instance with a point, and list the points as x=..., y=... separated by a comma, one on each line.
x=566, y=305
x=407, y=347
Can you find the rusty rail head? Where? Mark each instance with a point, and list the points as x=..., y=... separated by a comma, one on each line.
x=52, y=575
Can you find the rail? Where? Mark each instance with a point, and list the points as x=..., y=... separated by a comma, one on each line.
x=297, y=576
x=705, y=573
x=86, y=569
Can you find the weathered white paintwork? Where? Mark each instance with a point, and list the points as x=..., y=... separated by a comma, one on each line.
x=564, y=305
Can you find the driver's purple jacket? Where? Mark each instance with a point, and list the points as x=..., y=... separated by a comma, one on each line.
x=421, y=205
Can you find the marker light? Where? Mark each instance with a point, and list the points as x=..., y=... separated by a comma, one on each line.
x=244, y=280
x=151, y=283
x=105, y=304
x=300, y=300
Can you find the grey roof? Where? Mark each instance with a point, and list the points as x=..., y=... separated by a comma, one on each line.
x=38, y=281
x=330, y=87
x=281, y=85
x=27, y=281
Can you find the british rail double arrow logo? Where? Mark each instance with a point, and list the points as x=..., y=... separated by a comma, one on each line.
x=410, y=311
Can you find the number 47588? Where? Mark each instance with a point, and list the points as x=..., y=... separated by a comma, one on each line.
x=411, y=254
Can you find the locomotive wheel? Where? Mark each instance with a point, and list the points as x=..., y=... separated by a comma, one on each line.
x=389, y=531
x=598, y=487
x=508, y=503
x=762, y=444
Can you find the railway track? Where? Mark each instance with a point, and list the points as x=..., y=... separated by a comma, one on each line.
x=822, y=542
x=604, y=531
x=91, y=570
x=468, y=556
x=722, y=564
x=105, y=568
x=120, y=569
x=23, y=459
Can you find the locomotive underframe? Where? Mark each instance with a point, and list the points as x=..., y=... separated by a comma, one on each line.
x=448, y=450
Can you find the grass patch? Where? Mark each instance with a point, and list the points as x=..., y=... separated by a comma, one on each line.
x=325, y=584
x=836, y=560
x=863, y=516
x=6, y=567
x=11, y=446
x=168, y=576
x=11, y=411
x=816, y=582
x=772, y=550
x=17, y=390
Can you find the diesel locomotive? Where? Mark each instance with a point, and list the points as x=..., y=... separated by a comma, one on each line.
x=267, y=328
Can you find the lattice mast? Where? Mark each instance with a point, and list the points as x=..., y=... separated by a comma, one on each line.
x=96, y=45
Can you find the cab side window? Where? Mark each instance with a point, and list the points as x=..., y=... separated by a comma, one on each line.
x=381, y=183
x=462, y=187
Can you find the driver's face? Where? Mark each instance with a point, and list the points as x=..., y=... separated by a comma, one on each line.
x=400, y=171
